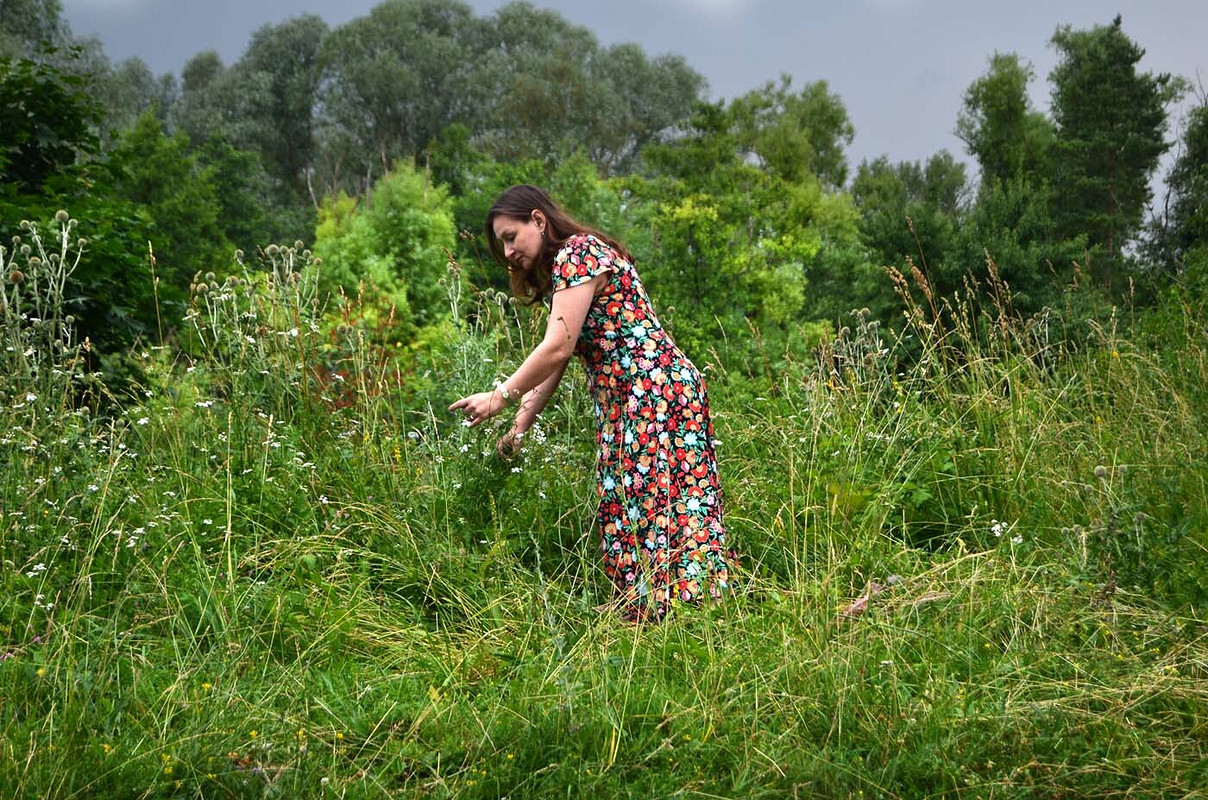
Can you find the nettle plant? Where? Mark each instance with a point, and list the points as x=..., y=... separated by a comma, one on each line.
x=40, y=356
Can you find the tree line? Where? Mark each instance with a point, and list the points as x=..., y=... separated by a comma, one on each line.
x=380, y=142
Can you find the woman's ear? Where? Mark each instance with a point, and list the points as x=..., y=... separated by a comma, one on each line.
x=539, y=220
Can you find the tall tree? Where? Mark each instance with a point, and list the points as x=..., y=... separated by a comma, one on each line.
x=392, y=81
x=912, y=209
x=652, y=96
x=998, y=125
x=127, y=91
x=210, y=102
x=49, y=121
x=535, y=78
x=1183, y=226
x=796, y=135
x=28, y=25
x=1111, y=121
x=285, y=60
x=178, y=198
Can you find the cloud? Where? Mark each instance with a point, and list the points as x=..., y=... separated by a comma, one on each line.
x=102, y=4
x=891, y=5
x=717, y=8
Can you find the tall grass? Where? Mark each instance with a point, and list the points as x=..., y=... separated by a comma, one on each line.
x=969, y=557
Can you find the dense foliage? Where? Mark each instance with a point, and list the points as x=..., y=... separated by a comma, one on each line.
x=244, y=554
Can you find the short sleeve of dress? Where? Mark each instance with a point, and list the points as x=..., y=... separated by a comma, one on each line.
x=582, y=258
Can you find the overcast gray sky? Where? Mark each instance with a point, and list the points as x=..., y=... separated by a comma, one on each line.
x=900, y=66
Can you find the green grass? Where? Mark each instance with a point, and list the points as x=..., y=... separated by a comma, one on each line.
x=244, y=576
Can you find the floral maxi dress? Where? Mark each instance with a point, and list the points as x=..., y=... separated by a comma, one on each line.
x=660, y=512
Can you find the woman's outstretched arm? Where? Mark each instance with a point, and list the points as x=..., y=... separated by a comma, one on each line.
x=548, y=360
x=534, y=403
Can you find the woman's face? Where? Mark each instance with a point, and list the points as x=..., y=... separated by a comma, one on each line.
x=521, y=238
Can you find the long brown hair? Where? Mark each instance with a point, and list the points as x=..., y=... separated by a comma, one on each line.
x=519, y=202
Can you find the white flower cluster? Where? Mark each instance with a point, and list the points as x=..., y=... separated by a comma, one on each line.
x=999, y=528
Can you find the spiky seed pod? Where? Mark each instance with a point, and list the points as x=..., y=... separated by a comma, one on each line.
x=25, y=225
x=209, y=277
x=239, y=255
x=69, y=319
x=1100, y=471
x=72, y=224
x=81, y=242
x=202, y=288
x=298, y=245
x=61, y=216
x=34, y=261
x=272, y=250
x=25, y=251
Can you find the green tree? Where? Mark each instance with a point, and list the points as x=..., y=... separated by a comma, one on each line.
x=1185, y=226
x=650, y=97
x=208, y=103
x=729, y=240
x=999, y=127
x=1012, y=224
x=27, y=26
x=911, y=209
x=394, y=243
x=392, y=80
x=547, y=88
x=1111, y=121
x=47, y=150
x=49, y=123
x=127, y=91
x=250, y=212
x=534, y=75
x=796, y=136
x=703, y=156
x=284, y=59
x=177, y=197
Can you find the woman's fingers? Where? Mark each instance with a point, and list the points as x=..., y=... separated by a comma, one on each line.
x=476, y=407
x=507, y=445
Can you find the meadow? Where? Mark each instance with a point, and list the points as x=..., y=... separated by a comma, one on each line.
x=256, y=558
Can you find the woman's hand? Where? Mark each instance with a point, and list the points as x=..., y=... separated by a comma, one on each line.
x=509, y=444
x=479, y=407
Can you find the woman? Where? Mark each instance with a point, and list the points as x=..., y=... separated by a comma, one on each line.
x=660, y=512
